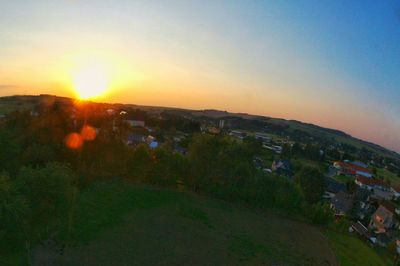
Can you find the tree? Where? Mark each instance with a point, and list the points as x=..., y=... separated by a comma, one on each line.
x=13, y=210
x=312, y=184
x=351, y=186
x=49, y=193
x=140, y=163
x=9, y=151
x=321, y=214
x=254, y=145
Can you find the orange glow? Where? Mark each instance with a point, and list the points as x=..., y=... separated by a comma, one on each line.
x=88, y=133
x=91, y=80
x=74, y=141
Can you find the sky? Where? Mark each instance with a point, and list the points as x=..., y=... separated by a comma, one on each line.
x=331, y=63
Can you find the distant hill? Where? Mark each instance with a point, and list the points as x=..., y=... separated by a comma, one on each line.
x=12, y=103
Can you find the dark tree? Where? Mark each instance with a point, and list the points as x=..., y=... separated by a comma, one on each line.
x=311, y=181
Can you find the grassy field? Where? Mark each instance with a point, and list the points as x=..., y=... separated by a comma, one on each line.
x=343, y=178
x=387, y=175
x=353, y=251
x=119, y=224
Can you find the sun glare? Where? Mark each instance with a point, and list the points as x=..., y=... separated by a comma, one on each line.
x=91, y=81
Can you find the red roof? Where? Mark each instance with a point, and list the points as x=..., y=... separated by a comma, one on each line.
x=352, y=167
x=370, y=181
x=388, y=206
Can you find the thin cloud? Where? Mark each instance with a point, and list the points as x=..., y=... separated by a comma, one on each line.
x=7, y=86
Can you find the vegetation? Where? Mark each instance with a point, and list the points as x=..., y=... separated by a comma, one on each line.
x=353, y=251
x=117, y=224
x=65, y=193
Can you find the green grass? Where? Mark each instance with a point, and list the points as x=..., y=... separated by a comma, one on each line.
x=120, y=224
x=343, y=178
x=353, y=251
x=387, y=175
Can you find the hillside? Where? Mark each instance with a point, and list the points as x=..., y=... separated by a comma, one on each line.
x=12, y=103
x=117, y=224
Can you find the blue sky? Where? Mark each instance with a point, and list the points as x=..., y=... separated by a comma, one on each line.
x=333, y=63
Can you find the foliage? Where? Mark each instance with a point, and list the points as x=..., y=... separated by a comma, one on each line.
x=321, y=214
x=353, y=251
x=48, y=192
x=13, y=212
x=312, y=183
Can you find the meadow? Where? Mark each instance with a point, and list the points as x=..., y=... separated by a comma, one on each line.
x=118, y=224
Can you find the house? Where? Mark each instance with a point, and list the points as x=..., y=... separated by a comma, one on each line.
x=360, y=164
x=151, y=141
x=135, y=139
x=136, y=123
x=180, y=150
x=274, y=148
x=214, y=130
x=362, y=208
x=238, y=134
x=370, y=184
x=360, y=229
x=342, y=203
x=262, y=137
x=383, y=219
x=347, y=168
x=382, y=194
x=396, y=191
x=333, y=187
x=282, y=167
x=110, y=111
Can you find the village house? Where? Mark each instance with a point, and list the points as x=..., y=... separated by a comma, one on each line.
x=151, y=141
x=347, y=168
x=342, y=203
x=383, y=218
x=238, y=134
x=396, y=191
x=135, y=123
x=282, y=167
x=135, y=139
x=333, y=187
x=362, y=208
x=370, y=184
x=264, y=138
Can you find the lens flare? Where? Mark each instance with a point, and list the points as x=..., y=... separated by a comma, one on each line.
x=88, y=133
x=74, y=141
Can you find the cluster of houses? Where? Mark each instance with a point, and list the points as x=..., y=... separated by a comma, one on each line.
x=371, y=207
x=265, y=139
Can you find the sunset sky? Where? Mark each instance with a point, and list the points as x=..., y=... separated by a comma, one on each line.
x=332, y=63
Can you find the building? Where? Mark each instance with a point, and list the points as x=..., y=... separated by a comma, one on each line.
x=152, y=142
x=282, y=167
x=396, y=191
x=342, y=203
x=135, y=139
x=238, y=134
x=383, y=218
x=264, y=138
x=221, y=124
x=275, y=148
x=136, y=123
x=371, y=184
x=333, y=187
x=352, y=169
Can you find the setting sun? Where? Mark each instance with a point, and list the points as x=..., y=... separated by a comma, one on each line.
x=91, y=80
